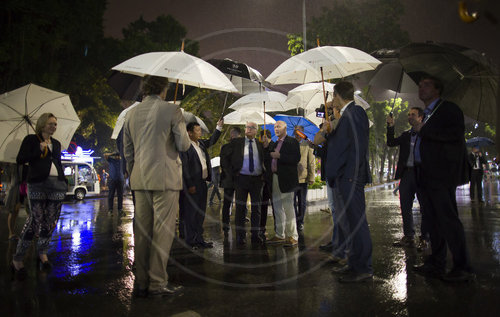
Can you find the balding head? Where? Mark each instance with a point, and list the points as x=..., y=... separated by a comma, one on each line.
x=280, y=129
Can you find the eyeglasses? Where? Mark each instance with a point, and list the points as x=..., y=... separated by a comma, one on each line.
x=251, y=127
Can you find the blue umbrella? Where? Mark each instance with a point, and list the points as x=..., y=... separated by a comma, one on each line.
x=310, y=129
x=479, y=141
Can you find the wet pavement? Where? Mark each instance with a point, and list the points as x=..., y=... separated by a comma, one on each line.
x=92, y=253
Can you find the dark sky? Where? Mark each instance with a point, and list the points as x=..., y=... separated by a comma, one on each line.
x=254, y=31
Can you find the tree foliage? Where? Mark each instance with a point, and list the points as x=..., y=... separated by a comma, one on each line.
x=60, y=45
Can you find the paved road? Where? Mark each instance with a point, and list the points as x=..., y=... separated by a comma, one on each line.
x=93, y=254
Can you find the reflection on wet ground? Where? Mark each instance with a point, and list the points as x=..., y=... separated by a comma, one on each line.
x=92, y=253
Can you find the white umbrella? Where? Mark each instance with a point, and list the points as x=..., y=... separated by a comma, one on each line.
x=188, y=117
x=310, y=96
x=271, y=101
x=121, y=120
x=325, y=62
x=21, y=108
x=242, y=117
x=177, y=66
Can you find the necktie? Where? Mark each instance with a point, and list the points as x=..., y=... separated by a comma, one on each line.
x=250, y=156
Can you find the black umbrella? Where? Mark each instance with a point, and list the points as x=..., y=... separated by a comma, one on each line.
x=245, y=78
x=469, y=78
x=479, y=141
x=128, y=87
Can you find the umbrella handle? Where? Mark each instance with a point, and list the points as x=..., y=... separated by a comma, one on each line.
x=324, y=96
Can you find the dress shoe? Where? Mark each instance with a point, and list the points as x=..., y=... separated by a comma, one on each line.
x=428, y=270
x=405, y=242
x=291, y=242
x=300, y=227
x=206, y=245
x=354, y=277
x=256, y=240
x=168, y=290
x=275, y=240
x=328, y=247
x=343, y=269
x=332, y=259
x=459, y=276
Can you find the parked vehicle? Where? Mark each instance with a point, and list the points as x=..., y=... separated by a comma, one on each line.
x=82, y=179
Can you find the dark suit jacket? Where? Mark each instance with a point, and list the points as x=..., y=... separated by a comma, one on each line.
x=191, y=165
x=237, y=151
x=288, y=177
x=403, y=141
x=347, y=157
x=482, y=160
x=226, y=175
x=442, y=147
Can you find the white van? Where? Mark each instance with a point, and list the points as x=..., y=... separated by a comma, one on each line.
x=82, y=179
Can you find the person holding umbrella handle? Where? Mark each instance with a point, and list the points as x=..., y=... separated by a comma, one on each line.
x=46, y=191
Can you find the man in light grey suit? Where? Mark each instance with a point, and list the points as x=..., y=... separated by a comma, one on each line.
x=154, y=134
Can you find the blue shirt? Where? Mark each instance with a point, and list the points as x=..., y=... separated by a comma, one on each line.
x=427, y=111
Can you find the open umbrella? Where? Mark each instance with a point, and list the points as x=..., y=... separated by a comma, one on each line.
x=310, y=128
x=178, y=67
x=310, y=96
x=479, y=141
x=128, y=87
x=242, y=117
x=268, y=101
x=21, y=108
x=320, y=63
x=469, y=78
x=245, y=78
x=324, y=62
x=188, y=117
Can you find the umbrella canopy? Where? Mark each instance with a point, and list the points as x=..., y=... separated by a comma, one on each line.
x=245, y=78
x=333, y=61
x=187, y=69
x=392, y=76
x=21, y=108
x=468, y=77
x=128, y=87
x=479, y=141
x=242, y=117
x=271, y=101
x=310, y=128
x=188, y=117
x=310, y=96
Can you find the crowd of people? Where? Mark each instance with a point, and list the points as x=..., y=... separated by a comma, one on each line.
x=169, y=167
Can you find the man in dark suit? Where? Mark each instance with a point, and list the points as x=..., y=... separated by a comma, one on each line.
x=442, y=165
x=478, y=162
x=226, y=178
x=348, y=172
x=284, y=156
x=247, y=165
x=405, y=171
x=196, y=170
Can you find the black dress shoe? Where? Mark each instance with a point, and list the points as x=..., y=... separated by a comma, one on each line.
x=428, y=270
x=256, y=240
x=354, y=277
x=458, y=276
x=328, y=247
x=168, y=290
x=344, y=269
